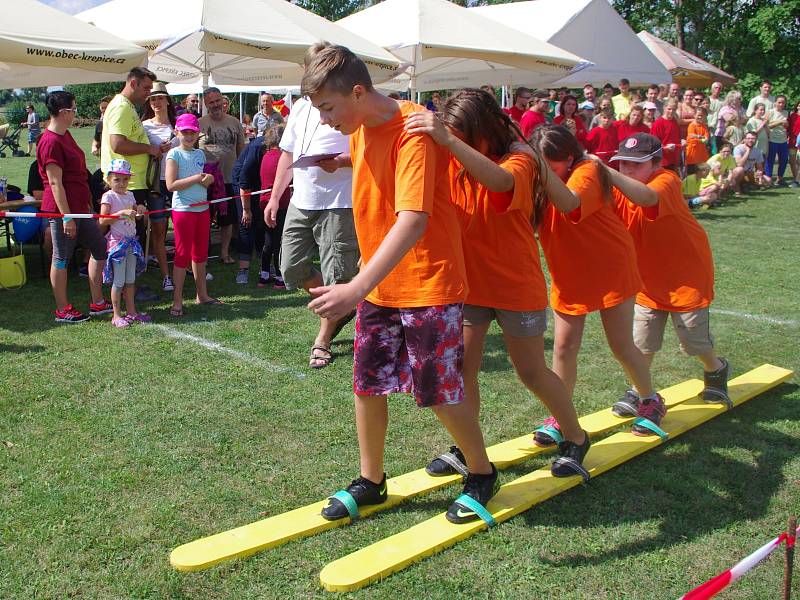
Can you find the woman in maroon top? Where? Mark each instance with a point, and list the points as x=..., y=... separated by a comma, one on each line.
x=62, y=166
x=666, y=129
x=568, y=117
x=633, y=124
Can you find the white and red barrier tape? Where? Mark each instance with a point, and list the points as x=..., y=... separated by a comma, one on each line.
x=713, y=586
x=44, y=215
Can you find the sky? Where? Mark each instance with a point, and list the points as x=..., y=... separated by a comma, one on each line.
x=72, y=6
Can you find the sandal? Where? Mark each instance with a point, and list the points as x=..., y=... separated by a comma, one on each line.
x=227, y=260
x=177, y=312
x=213, y=302
x=320, y=362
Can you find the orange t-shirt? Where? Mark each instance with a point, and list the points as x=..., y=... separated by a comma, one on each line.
x=696, y=150
x=592, y=259
x=500, y=250
x=395, y=171
x=672, y=248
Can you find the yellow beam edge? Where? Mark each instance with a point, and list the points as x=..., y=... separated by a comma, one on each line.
x=396, y=552
x=279, y=529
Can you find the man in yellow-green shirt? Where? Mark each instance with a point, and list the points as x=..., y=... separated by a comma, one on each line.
x=622, y=101
x=124, y=135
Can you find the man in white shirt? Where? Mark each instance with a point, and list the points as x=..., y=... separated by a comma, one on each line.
x=319, y=220
x=763, y=98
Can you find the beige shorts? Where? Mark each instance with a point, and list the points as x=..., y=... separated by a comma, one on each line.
x=328, y=234
x=513, y=322
x=692, y=329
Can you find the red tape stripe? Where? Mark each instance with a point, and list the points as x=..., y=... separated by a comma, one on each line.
x=45, y=215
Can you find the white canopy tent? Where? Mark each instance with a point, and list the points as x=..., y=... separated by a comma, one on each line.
x=41, y=46
x=448, y=46
x=246, y=42
x=590, y=28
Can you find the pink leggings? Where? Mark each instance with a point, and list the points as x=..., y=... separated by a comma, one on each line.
x=192, y=230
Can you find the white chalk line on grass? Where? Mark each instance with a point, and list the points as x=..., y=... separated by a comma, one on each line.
x=217, y=347
x=751, y=317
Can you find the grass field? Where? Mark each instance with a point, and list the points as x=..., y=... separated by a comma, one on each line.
x=120, y=445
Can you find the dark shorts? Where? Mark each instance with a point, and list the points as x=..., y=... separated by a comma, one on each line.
x=89, y=236
x=231, y=216
x=159, y=202
x=410, y=350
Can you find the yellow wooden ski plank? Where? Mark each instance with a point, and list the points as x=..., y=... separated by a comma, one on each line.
x=305, y=521
x=394, y=553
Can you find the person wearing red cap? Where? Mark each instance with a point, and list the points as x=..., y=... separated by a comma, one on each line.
x=675, y=262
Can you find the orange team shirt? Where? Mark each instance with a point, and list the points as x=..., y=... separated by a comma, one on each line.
x=394, y=171
x=672, y=248
x=592, y=259
x=696, y=150
x=500, y=250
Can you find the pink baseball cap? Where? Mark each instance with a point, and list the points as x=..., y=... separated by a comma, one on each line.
x=187, y=121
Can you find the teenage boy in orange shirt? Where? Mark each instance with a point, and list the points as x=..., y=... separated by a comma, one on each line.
x=411, y=288
x=674, y=259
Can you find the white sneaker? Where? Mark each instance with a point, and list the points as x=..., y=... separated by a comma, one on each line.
x=168, y=286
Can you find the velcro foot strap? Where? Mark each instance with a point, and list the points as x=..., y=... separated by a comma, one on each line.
x=349, y=502
x=723, y=397
x=476, y=507
x=648, y=424
x=552, y=432
x=452, y=460
x=571, y=463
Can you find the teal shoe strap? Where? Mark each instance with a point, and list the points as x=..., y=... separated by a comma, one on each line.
x=648, y=424
x=552, y=432
x=476, y=507
x=349, y=502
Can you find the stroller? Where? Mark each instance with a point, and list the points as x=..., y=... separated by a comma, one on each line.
x=9, y=140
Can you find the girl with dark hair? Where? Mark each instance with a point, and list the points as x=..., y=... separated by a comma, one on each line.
x=569, y=118
x=496, y=184
x=159, y=124
x=62, y=167
x=592, y=263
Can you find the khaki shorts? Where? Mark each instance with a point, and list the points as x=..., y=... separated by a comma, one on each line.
x=692, y=329
x=328, y=234
x=513, y=322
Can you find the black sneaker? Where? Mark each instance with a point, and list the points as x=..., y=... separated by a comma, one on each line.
x=570, y=459
x=716, y=384
x=363, y=491
x=449, y=463
x=627, y=406
x=480, y=488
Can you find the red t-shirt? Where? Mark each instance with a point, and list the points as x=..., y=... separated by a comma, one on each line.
x=626, y=130
x=515, y=113
x=794, y=129
x=603, y=142
x=269, y=166
x=669, y=132
x=62, y=150
x=530, y=121
x=580, y=127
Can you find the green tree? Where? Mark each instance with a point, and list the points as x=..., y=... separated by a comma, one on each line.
x=751, y=39
x=88, y=95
